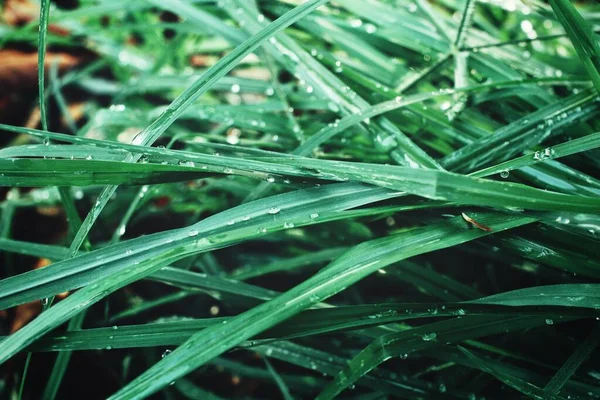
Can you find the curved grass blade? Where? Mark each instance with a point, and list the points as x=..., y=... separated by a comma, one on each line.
x=152, y=132
x=110, y=268
x=428, y=336
x=585, y=295
x=283, y=388
x=432, y=184
x=571, y=147
x=307, y=323
x=522, y=133
x=512, y=381
x=570, y=366
x=299, y=62
x=582, y=37
x=356, y=264
x=579, y=295
x=441, y=185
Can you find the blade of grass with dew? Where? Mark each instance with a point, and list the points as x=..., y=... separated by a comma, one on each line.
x=298, y=61
x=418, y=338
x=346, y=270
x=436, y=185
x=439, y=185
x=248, y=221
x=328, y=363
x=582, y=37
x=402, y=344
x=302, y=261
x=306, y=323
x=110, y=268
x=152, y=132
x=62, y=360
x=146, y=306
x=196, y=280
x=564, y=149
x=477, y=153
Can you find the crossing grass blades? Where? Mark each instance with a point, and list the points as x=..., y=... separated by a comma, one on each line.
x=371, y=199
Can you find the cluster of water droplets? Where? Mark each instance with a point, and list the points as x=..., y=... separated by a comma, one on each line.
x=545, y=154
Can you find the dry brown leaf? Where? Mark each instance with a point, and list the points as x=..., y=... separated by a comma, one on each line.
x=26, y=312
x=18, y=12
x=19, y=68
x=21, y=12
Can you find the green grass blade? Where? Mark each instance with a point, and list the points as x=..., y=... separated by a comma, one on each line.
x=582, y=37
x=43, y=35
x=522, y=386
x=62, y=362
x=346, y=270
x=152, y=132
x=570, y=366
x=403, y=344
x=113, y=267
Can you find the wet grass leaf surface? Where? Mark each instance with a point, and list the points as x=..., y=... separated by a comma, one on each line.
x=259, y=199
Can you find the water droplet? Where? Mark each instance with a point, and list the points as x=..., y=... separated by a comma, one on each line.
x=442, y=388
x=193, y=232
x=235, y=88
x=270, y=179
x=274, y=210
x=88, y=157
x=427, y=337
x=288, y=225
x=262, y=230
x=165, y=353
x=44, y=301
x=46, y=142
x=504, y=174
x=108, y=347
x=549, y=321
x=314, y=215
x=227, y=171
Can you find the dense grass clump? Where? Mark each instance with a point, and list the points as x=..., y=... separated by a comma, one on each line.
x=260, y=199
